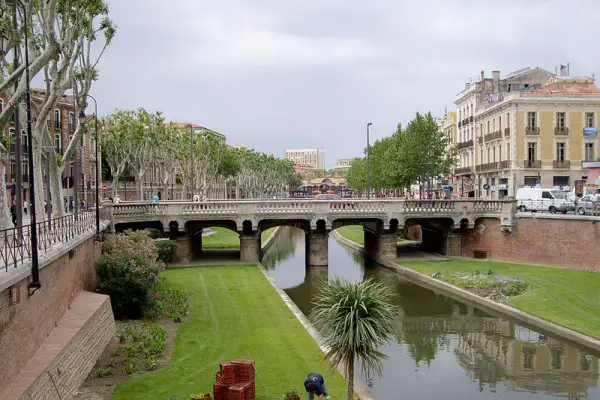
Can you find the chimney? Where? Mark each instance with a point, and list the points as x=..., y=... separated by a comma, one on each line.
x=482, y=76
x=496, y=75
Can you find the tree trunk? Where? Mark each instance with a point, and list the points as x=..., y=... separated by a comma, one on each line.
x=350, y=378
x=56, y=192
x=39, y=185
x=5, y=217
x=139, y=186
x=115, y=184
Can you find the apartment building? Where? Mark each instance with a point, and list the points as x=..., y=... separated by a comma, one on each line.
x=343, y=164
x=62, y=123
x=529, y=128
x=308, y=157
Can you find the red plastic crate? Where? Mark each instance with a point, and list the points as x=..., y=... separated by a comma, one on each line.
x=219, y=378
x=219, y=391
x=237, y=392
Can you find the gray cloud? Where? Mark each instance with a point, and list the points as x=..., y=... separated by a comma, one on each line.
x=274, y=74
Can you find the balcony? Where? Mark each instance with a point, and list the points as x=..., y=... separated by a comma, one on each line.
x=505, y=164
x=465, y=121
x=532, y=130
x=506, y=131
x=532, y=164
x=471, y=119
x=561, y=131
x=463, y=170
x=464, y=145
x=493, y=136
x=561, y=164
x=487, y=167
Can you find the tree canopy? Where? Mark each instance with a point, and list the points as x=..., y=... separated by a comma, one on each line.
x=410, y=155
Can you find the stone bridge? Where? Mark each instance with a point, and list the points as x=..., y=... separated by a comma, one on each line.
x=383, y=220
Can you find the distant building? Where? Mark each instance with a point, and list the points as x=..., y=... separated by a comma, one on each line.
x=306, y=157
x=199, y=129
x=343, y=164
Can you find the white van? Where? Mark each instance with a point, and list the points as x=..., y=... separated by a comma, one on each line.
x=539, y=199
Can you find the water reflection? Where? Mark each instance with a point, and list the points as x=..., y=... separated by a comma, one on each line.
x=445, y=349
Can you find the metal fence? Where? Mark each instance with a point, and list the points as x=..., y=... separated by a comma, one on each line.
x=15, y=243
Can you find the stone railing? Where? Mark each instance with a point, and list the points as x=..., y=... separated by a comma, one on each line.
x=532, y=130
x=465, y=144
x=463, y=170
x=561, y=164
x=488, y=166
x=532, y=164
x=561, y=131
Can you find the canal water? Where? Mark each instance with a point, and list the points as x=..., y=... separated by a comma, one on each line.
x=444, y=349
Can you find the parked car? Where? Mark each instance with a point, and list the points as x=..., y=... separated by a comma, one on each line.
x=539, y=199
x=584, y=205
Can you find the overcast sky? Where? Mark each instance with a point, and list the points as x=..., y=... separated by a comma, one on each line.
x=272, y=74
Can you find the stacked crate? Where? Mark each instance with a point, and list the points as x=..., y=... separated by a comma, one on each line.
x=235, y=381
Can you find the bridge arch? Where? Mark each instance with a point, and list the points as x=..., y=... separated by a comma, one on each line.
x=193, y=226
x=136, y=226
x=265, y=224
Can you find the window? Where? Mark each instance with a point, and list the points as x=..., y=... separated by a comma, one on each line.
x=531, y=119
x=481, y=156
x=500, y=122
x=560, y=152
x=589, y=120
x=585, y=362
x=71, y=122
x=13, y=169
x=500, y=153
x=508, y=153
x=24, y=139
x=57, y=118
x=25, y=170
x=547, y=195
x=560, y=120
x=589, y=152
x=488, y=127
x=57, y=144
x=531, y=150
x=529, y=357
x=488, y=152
x=494, y=124
x=494, y=153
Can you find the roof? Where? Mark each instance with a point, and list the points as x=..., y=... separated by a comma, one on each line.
x=581, y=87
x=187, y=124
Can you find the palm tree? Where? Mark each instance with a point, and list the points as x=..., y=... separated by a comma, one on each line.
x=355, y=319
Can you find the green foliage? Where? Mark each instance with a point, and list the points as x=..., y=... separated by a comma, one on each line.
x=356, y=320
x=408, y=156
x=156, y=233
x=140, y=347
x=166, y=249
x=489, y=285
x=291, y=392
x=175, y=303
x=129, y=273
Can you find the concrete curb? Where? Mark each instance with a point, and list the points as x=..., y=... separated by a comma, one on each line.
x=269, y=242
x=486, y=304
x=359, y=387
x=23, y=271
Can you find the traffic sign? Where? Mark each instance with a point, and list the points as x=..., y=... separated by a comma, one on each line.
x=104, y=187
x=486, y=186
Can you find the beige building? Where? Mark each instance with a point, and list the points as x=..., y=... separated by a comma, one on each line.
x=306, y=157
x=343, y=164
x=531, y=127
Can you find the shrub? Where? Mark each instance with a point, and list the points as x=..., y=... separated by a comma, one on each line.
x=156, y=233
x=166, y=249
x=175, y=304
x=129, y=273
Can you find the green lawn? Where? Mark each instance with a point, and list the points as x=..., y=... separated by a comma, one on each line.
x=355, y=233
x=236, y=313
x=566, y=297
x=227, y=239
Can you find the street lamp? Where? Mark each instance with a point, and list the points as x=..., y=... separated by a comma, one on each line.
x=82, y=121
x=368, y=163
x=35, y=283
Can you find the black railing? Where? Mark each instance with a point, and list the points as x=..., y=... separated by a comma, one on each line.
x=15, y=247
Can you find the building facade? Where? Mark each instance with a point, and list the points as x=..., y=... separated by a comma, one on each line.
x=530, y=128
x=79, y=175
x=343, y=164
x=307, y=157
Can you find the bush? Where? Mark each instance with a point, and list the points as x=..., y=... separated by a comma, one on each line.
x=166, y=249
x=156, y=233
x=175, y=304
x=129, y=273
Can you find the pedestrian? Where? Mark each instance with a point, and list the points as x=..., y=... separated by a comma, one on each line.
x=594, y=204
x=25, y=206
x=155, y=199
x=315, y=384
x=13, y=212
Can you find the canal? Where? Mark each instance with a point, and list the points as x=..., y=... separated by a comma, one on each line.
x=444, y=349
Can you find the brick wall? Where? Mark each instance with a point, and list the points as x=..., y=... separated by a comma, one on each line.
x=559, y=242
x=25, y=325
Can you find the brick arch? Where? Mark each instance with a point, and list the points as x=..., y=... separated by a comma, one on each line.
x=195, y=226
x=371, y=223
x=265, y=224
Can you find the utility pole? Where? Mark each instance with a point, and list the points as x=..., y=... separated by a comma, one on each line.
x=368, y=163
x=18, y=187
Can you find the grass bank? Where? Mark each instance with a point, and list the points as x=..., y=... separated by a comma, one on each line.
x=355, y=233
x=566, y=297
x=235, y=313
x=227, y=239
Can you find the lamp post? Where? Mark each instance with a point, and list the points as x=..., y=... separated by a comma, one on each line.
x=192, y=174
x=368, y=163
x=82, y=121
x=35, y=283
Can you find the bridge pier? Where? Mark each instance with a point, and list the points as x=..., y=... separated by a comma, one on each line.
x=318, y=249
x=382, y=245
x=250, y=248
